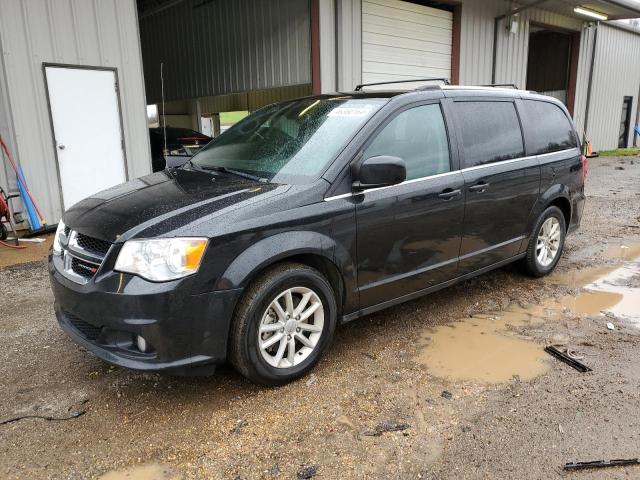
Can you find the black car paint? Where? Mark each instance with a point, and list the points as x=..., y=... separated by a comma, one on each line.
x=378, y=247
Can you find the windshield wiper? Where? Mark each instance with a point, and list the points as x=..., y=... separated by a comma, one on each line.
x=217, y=168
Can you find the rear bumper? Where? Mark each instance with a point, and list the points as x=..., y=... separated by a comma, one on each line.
x=577, y=208
x=183, y=330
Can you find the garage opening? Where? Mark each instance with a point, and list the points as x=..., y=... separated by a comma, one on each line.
x=552, y=63
x=208, y=63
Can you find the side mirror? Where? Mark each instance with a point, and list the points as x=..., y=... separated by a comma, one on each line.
x=380, y=171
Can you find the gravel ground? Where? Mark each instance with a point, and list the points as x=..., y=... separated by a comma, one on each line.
x=333, y=422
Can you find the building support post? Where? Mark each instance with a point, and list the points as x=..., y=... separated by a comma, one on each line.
x=590, y=84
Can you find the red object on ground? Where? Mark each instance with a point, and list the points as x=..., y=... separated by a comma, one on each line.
x=17, y=247
x=4, y=209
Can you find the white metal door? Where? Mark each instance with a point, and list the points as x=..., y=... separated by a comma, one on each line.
x=402, y=40
x=85, y=114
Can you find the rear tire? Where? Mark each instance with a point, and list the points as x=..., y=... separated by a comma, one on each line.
x=3, y=232
x=546, y=243
x=283, y=324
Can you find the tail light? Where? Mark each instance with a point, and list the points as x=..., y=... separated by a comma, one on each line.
x=584, y=167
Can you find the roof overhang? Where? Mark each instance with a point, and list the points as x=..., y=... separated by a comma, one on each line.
x=612, y=9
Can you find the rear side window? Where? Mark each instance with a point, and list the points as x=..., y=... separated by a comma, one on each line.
x=548, y=128
x=419, y=137
x=490, y=132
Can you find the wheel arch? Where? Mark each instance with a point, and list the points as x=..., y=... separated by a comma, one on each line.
x=313, y=249
x=557, y=195
x=564, y=205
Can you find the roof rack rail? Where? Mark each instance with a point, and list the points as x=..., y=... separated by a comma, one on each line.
x=498, y=85
x=443, y=80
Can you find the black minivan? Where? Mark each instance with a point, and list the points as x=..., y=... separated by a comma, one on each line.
x=311, y=213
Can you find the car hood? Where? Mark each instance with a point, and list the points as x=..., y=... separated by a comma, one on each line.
x=161, y=203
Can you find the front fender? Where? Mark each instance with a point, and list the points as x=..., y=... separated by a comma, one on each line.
x=275, y=248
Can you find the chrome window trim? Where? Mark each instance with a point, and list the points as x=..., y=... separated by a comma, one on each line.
x=438, y=175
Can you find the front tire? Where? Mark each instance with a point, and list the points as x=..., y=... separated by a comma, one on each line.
x=283, y=324
x=546, y=243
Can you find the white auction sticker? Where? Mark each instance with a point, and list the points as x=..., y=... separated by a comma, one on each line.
x=349, y=112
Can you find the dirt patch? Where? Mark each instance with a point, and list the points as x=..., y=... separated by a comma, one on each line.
x=34, y=252
x=152, y=471
x=370, y=381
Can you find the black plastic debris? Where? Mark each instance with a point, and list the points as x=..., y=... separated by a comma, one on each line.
x=446, y=394
x=562, y=356
x=601, y=464
x=386, y=427
x=307, y=472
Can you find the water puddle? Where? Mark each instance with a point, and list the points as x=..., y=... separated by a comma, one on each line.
x=487, y=348
x=591, y=302
x=149, y=471
x=482, y=350
x=622, y=252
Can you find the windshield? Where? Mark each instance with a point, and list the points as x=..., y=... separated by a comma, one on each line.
x=289, y=142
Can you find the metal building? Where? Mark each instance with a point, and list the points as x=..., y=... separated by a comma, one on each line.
x=545, y=46
x=35, y=34
x=76, y=76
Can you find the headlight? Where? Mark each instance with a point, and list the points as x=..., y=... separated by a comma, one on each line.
x=161, y=259
x=57, y=247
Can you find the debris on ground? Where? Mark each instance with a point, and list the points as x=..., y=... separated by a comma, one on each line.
x=385, y=427
x=601, y=464
x=563, y=356
x=307, y=472
x=446, y=394
x=239, y=424
x=610, y=326
x=44, y=417
x=311, y=380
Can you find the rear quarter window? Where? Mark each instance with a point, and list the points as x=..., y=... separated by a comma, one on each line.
x=490, y=131
x=547, y=128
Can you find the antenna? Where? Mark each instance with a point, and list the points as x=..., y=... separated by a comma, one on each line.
x=164, y=118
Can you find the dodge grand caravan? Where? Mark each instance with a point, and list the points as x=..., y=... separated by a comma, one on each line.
x=311, y=213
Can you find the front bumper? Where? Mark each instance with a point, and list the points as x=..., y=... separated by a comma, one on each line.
x=106, y=315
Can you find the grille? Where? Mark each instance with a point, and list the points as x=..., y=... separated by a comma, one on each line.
x=91, y=332
x=67, y=231
x=82, y=268
x=93, y=245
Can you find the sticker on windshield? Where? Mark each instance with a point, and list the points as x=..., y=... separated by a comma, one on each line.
x=349, y=112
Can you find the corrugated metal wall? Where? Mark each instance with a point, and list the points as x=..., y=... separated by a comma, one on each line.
x=99, y=33
x=340, y=44
x=7, y=181
x=584, y=67
x=616, y=75
x=512, y=50
x=227, y=46
x=476, y=40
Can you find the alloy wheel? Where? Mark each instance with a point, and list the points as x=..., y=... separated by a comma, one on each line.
x=548, y=243
x=291, y=327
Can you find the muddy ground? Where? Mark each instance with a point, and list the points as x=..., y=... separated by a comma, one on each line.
x=497, y=408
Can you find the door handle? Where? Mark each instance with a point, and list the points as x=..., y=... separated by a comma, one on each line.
x=61, y=146
x=448, y=193
x=479, y=187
